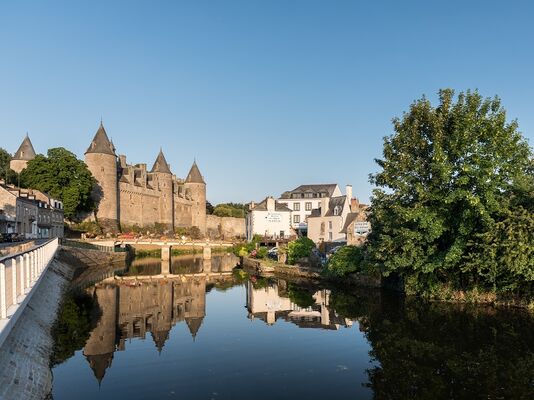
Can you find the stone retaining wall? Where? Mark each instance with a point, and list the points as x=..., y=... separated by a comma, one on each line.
x=25, y=354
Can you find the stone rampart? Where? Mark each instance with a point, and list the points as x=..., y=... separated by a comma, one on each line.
x=225, y=227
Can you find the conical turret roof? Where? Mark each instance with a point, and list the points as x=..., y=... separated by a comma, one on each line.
x=25, y=151
x=101, y=143
x=194, y=175
x=160, y=337
x=161, y=165
x=194, y=325
x=99, y=364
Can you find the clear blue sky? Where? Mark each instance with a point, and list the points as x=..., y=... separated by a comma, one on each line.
x=266, y=95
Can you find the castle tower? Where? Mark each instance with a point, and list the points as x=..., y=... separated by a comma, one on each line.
x=164, y=179
x=101, y=160
x=24, y=154
x=195, y=183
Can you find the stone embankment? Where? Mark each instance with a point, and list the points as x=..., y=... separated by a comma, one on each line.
x=262, y=267
x=25, y=354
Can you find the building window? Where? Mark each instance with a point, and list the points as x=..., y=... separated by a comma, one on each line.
x=322, y=228
x=308, y=206
x=336, y=210
x=296, y=219
x=330, y=225
x=296, y=206
x=330, y=236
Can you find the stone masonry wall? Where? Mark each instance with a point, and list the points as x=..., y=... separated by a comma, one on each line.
x=225, y=227
x=25, y=355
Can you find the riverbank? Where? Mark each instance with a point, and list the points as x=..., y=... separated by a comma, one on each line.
x=444, y=295
x=24, y=356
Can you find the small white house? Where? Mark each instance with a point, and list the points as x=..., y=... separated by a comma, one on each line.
x=269, y=219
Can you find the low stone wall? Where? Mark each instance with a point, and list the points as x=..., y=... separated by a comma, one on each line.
x=258, y=266
x=225, y=227
x=16, y=248
x=25, y=354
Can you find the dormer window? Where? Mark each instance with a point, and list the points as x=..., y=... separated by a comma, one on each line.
x=336, y=210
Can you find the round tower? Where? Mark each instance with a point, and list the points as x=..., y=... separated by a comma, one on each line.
x=165, y=186
x=24, y=154
x=101, y=160
x=195, y=183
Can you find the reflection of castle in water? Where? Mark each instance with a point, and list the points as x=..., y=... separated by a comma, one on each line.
x=269, y=305
x=133, y=311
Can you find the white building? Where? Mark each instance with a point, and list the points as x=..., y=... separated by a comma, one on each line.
x=269, y=219
x=303, y=199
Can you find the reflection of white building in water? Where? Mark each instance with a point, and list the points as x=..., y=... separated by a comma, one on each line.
x=268, y=305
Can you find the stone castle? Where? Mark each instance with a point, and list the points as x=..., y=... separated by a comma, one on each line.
x=130, y=195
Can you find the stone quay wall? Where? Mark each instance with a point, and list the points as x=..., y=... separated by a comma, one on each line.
x=25, y=354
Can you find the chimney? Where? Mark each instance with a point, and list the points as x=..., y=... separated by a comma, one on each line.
x=348, y=192
x=324, y=205
x=270, y=204
x=251, y=205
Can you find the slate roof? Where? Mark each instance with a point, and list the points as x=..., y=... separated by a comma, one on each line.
x=101, y=143
x=332, y=203
x=161, y=165
x=262, y=206
x=319, y=188
x=194, y=175
x=350, y=218
x=25, y=151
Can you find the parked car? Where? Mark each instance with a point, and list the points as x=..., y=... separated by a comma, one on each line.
x=332, y=251
x=273, y=253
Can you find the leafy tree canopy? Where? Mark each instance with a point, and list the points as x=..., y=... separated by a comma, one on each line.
x=236, y=210
x=456, y=180
x=346, y=260
x=5, y=172
x=61, y=175
x=297, y=249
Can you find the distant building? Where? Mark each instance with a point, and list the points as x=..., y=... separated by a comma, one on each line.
x=356, y=226
x=303, y=199
x=30, y=213
x=326, y=222
x=269, y=218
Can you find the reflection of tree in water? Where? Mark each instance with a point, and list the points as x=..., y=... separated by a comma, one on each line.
x=438, y=350
x=76, y=319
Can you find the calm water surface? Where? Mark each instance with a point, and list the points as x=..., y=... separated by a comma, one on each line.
x=240, y=337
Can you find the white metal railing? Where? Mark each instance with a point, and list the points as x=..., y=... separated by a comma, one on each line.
x=19, y=274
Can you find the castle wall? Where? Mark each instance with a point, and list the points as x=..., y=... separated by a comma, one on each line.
x=225, y=227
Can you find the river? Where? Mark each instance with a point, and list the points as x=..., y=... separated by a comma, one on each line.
x=235, y=336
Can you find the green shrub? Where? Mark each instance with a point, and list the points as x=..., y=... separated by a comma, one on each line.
x=297, y=249
x=346, y=260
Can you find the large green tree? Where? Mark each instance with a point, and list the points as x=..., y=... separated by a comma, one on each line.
x=455, y=181
x=5, y=172
x=63, y=176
